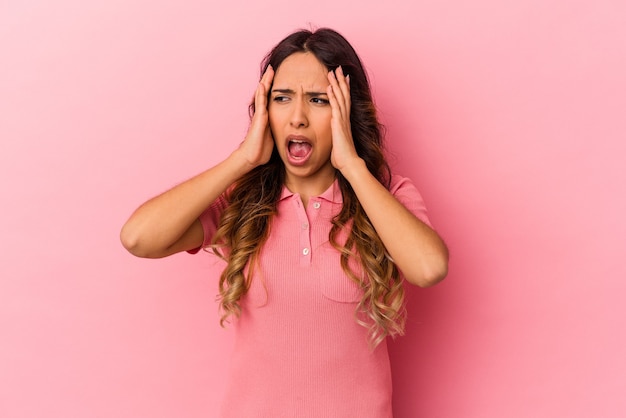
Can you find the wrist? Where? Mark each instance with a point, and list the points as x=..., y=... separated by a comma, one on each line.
x=354, y=170
x=239, y=162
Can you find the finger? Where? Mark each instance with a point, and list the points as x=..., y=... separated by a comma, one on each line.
x=266, y=84
x=267, y=78
x=260, y=99
x=263, y=88
x=334, y=106
x=337, y=92
x=344, y=84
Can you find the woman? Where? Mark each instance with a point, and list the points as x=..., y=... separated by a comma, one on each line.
x=316, y=235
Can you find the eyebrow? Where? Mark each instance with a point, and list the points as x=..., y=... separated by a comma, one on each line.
x=308, y=93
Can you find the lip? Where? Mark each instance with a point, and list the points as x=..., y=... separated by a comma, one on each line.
x=298, y=138
x=294, y=160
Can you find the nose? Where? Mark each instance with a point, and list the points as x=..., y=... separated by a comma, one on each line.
x=298, y=114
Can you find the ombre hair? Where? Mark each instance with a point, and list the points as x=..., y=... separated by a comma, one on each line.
x=246, y=222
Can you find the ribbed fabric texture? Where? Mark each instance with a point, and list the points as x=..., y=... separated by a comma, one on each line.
x=299, y=351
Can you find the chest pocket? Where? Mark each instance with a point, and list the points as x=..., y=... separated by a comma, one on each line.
x=334, y=283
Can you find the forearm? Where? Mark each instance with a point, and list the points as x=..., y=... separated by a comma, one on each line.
x=159, y=224
x=416, y=248
x=168, y=223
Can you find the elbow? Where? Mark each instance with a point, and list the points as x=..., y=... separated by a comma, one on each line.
x=431, y=272
x=131, y=241
x=433, y=276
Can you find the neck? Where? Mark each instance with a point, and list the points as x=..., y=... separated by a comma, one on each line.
x=309, y=187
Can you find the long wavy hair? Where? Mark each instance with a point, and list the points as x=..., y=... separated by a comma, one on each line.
x=246, y=223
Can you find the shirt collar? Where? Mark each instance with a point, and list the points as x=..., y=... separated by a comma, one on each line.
x=332, y=194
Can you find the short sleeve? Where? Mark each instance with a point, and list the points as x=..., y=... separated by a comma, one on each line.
x=210, y=220
x=405, y=191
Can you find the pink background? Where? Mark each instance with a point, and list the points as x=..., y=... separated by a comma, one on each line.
x=508, y=115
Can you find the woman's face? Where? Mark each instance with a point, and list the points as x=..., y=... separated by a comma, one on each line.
x=299, y=116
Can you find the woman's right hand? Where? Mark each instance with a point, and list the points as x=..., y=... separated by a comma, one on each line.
x=257, y=148
x=168, y=223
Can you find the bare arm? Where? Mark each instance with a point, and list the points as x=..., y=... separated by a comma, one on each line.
x=169, y=223
x=416, y=249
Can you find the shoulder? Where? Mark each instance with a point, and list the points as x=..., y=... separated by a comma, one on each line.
x=211, y=216
x=404, y=189
x=400, y=184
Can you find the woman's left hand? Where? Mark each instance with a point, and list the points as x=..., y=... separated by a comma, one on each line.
x=343, y=153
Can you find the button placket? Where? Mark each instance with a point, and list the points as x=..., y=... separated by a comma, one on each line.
x=304, y=234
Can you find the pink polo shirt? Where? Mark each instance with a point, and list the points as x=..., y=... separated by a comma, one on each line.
x=299, y=351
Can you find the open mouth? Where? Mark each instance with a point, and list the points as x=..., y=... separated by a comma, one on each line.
x=298, y=150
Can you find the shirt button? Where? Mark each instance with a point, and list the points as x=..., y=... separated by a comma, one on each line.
x=305, y=251
x=305, y=226
x=316, y=205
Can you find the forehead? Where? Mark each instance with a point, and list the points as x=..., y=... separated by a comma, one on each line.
x=301, y=69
